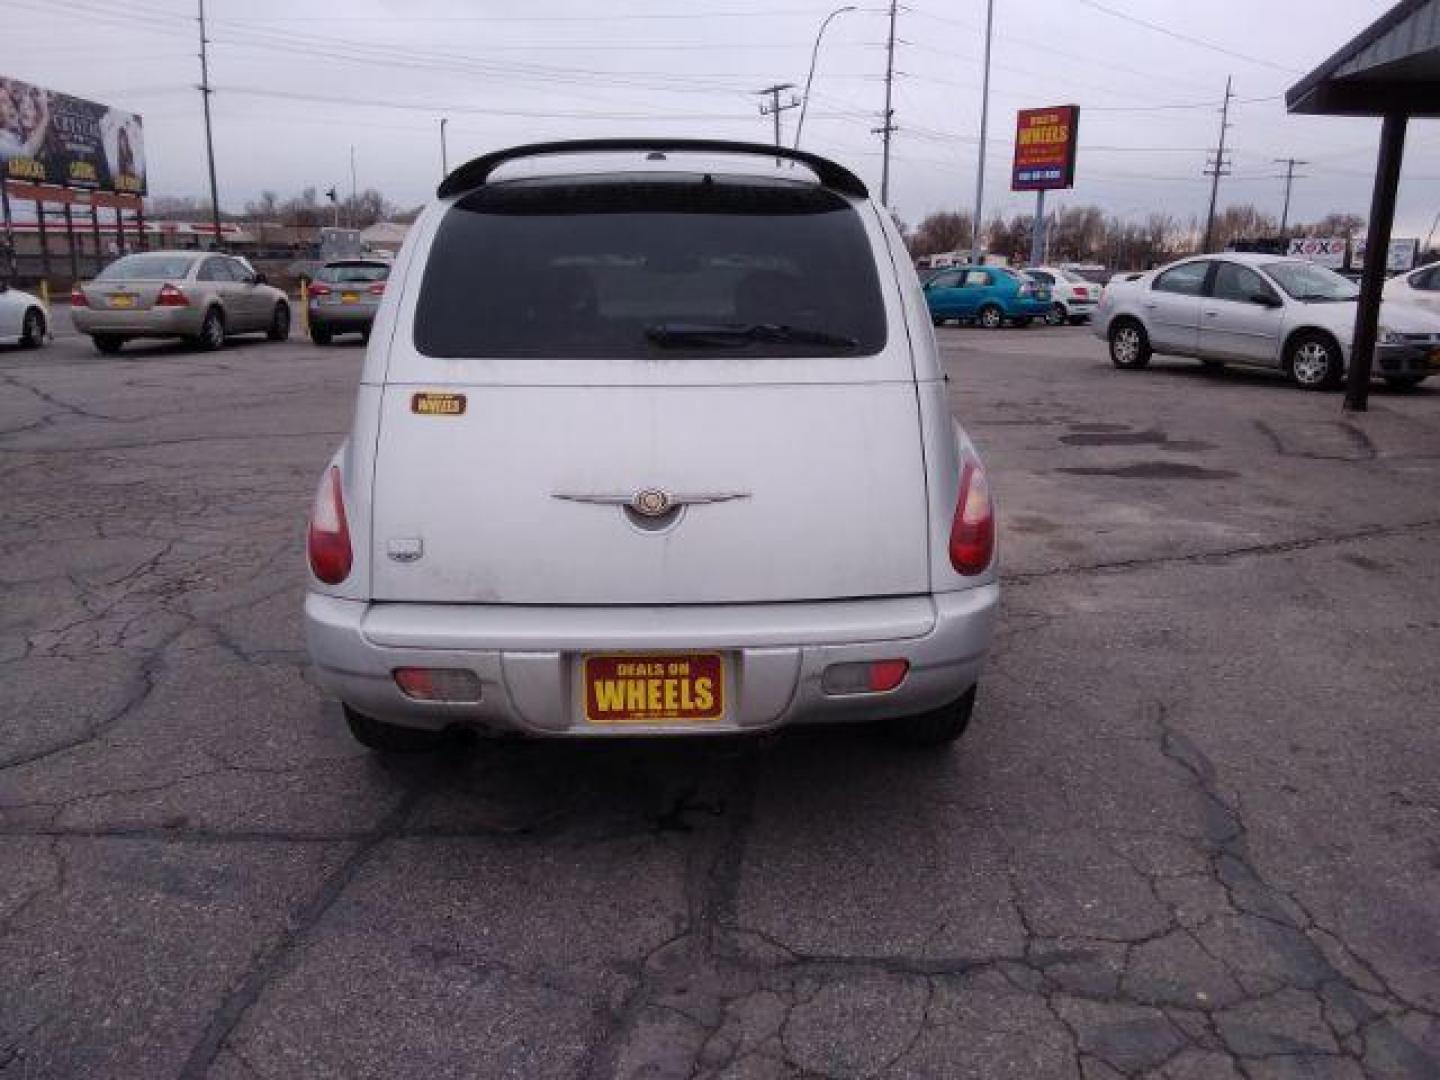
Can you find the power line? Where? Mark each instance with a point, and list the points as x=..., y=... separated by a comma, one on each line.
x=1178, y=36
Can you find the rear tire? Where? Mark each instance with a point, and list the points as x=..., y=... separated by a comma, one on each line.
x=1313, y=362
x=940, y=727
x=32, y=330
x=991, y=317
x=386, y=738
x=320, y=335
x=212, y=331
x=1404, y=382
x=279, y=329
x=109, y=344
x=1129, y=345
x=1057, y=315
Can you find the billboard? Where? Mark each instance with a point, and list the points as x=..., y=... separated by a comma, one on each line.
x=1398, y=259
x=1045, y=148
x=52, y=138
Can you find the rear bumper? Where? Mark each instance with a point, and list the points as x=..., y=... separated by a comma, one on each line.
x=529, y=659
x=154, y=322
x=342, y=316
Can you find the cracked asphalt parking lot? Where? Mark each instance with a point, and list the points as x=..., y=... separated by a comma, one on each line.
x=1192, y=833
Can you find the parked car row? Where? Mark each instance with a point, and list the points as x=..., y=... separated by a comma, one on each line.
x=1269, y=311
x=201, y=298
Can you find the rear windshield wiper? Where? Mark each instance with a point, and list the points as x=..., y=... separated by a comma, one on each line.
x=733, y=335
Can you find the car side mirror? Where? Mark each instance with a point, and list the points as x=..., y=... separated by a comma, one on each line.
x=1265, y=299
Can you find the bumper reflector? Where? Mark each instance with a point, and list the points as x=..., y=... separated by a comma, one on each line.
x=438, y=684
x=873, y=677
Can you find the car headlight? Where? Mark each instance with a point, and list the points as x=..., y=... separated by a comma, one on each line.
x=1389, y=337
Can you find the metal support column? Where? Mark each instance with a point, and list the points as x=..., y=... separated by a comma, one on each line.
x=70, y=243
x=10, y=263
x=95, y=232
x=1377, y=254
x=1037, y=234
x=44, y=242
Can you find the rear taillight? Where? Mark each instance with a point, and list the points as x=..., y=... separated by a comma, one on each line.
x=315, y=289
x=378, y=289
x=972, y=535
x=866, y=677
x=171, y=296
x=329, y=539
x=77, y=297
x=1081, y=290
x=438, y=684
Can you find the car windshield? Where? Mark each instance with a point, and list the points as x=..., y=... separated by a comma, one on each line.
x=1311, y=283
x=354, y=273
x=670, y=266
x=147, y=266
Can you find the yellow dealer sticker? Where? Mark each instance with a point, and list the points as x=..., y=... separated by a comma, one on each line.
x=433, y=404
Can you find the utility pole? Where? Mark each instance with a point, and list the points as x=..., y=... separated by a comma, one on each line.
x=1217, y=168
x=776, y=106
x=887, y=121
x=1290, y=178
x=205, y=93
x=984, y=133
x=444, y=157
x=354, y=193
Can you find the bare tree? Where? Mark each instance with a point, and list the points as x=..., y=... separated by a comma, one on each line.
x=944, y=230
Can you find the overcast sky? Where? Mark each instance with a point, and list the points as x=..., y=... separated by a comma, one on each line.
x=298, y=83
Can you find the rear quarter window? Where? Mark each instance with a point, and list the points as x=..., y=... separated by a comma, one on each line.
x=665, y=266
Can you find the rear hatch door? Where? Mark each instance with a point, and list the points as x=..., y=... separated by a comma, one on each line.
x=578, y=409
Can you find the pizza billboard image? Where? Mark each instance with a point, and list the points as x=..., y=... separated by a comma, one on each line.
x=1045, y=141
x=52, y=138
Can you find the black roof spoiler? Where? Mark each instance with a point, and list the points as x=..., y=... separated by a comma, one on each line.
x=476, y=172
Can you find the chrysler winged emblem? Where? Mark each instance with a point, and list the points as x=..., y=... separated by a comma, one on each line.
x=650, y=502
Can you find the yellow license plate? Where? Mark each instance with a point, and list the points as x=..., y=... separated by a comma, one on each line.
x=660, y=689
x=122, y=300
x=349, y=297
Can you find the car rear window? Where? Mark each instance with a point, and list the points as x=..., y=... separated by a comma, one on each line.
x=672, y=266
x=353, y=273
x=146, y=266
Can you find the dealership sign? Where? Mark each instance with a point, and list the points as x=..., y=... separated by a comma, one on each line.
x=52, y=138
x=1321, y=250
x=1045, y=148
x=1399, y=258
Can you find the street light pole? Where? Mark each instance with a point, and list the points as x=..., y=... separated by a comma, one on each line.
x=444, y=157
x=984, y=131
x=814, y=55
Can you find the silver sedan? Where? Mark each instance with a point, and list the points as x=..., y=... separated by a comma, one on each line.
x=200, y=297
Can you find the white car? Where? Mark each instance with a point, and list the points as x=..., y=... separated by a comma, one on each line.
x=1073, y=298
x=1264, y=310
x=1419, y=287
x=22, y=318
x=651, y=439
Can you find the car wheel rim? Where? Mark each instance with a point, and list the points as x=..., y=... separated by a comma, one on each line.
x=1056, y=315
x=1312, y=363
x=32, y=330
x=213, y=333
x=1127, y=346
x=990, y=318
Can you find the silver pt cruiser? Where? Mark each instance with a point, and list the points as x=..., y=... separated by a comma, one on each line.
x=651, y=438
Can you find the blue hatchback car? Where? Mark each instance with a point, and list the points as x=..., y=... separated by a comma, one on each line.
x=988, y=295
